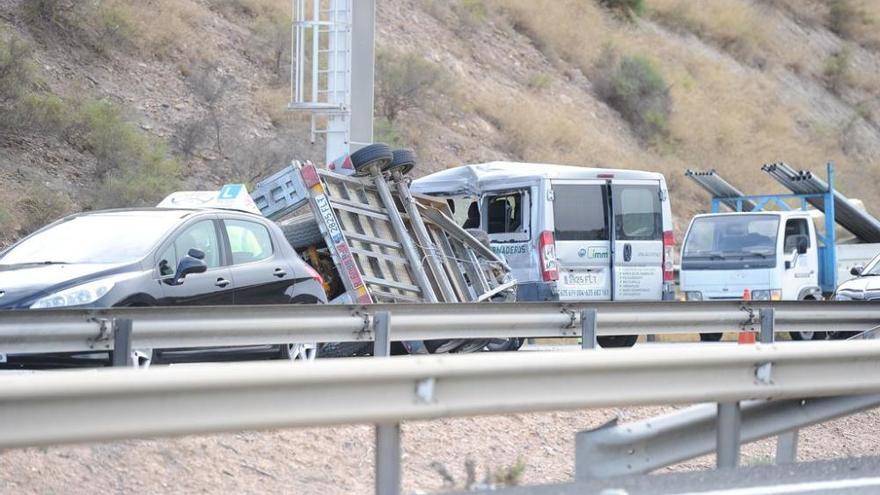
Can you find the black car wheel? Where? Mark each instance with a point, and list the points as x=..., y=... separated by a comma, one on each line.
x=711, y=337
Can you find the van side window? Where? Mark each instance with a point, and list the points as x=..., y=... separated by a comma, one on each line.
x=795, y=229
x=580, y=212
x=505, y=213
x=637, y=213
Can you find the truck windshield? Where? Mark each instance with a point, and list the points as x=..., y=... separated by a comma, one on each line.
x=115, y=237
x=732, y=237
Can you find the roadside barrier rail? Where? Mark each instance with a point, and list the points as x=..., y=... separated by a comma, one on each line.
x=42, y=331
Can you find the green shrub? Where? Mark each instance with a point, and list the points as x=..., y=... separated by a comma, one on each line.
x=405, y=81
x=635, y=87
x=16, y=70
x=837, y=71
x=40, y=205
x=846, y=17
x=626, y=8
x=540, y=81
x=384, y=131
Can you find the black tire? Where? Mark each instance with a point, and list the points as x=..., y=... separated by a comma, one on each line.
x=471, y=345
x=371, y=159
x=504, y=345
x=404, y=160
x=610, y=341
x=807, y=336
x=443, y=346
x=302, y=232
x=344, y=349
x=711, y=337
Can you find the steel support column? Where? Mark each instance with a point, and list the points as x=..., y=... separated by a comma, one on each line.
x=387, y=434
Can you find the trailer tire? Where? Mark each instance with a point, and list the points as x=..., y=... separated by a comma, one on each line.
x=610, y=341
x=711, y=337
x=372, y=159
x=302, y=232
x=404, y=160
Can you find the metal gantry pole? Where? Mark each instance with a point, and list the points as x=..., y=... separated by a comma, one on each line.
x=387, y=434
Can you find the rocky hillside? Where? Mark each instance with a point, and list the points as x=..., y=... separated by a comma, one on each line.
x=115, y=102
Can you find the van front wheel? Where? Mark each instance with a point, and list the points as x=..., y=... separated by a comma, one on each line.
x=609, y=341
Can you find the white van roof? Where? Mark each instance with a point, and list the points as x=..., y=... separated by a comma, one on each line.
x=467, y=179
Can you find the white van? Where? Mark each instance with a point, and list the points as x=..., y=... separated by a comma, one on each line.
x=568, y=233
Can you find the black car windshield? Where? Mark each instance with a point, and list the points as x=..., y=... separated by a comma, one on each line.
x=732, y=237
x=112, y=237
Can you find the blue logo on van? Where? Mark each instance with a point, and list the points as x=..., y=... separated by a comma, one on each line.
x=582, y=252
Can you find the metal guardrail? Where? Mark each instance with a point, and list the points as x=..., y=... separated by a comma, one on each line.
x=83, y=330
x=78, y=406
x=65, y=407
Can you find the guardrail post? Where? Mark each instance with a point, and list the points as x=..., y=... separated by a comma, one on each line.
x=786, y=443
x=728, y=434
x=588, y=328
x=122, y=342
x=768, y=322
x=387, y=434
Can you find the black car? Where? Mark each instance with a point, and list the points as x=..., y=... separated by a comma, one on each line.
x=158, y=257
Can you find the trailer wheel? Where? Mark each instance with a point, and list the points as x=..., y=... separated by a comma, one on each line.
x=372, y=159
x=711, y=337
x=302, y=232
x=404, y=160
x=617, y=340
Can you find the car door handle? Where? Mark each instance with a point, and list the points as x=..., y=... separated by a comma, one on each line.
x=221, y=282
x=280, y=273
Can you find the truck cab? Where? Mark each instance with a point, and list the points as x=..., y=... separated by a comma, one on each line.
x=770, y=255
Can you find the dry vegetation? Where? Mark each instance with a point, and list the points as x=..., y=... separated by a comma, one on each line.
x=657, y=84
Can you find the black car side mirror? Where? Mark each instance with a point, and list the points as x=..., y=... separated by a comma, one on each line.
x=802, y=245
x=189, y=265
x=856, y=270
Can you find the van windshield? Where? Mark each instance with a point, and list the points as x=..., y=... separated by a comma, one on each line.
x=731, y=237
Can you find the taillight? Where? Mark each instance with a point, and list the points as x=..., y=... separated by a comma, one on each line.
x=547, y=253
x=315, y=275
x=668, y=256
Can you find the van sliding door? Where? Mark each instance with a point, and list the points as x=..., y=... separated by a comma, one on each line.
x=580, y=216
x=638, y=240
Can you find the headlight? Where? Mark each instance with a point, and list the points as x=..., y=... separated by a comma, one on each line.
x=693, y=296
x=767, y=295
x=75, y=296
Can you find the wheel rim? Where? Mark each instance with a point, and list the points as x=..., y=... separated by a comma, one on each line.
x=302, y=352
x=807, y=335
x=141, y=358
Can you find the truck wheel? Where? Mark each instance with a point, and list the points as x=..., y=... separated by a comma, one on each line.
x=610, y=341
x=404, y=160
x=805, y=336
x=711, y=337
x=302, y=232
x=372, y=159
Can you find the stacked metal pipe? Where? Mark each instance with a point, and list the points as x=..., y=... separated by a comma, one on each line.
x=863, y=225
x=719, y=188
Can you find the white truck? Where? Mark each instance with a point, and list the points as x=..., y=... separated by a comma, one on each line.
x=767, y=255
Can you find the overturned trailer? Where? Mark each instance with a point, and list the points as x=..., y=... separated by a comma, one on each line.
x=372, y=240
